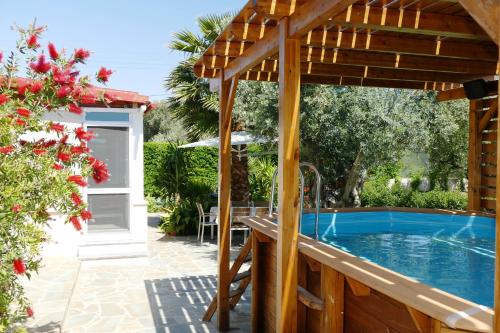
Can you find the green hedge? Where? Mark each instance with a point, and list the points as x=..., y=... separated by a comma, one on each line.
x=201, y=166
x=379, y=195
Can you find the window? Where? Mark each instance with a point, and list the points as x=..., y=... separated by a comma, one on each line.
x=109, y=202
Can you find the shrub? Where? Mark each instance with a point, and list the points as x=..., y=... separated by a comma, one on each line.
x=260, y=178
x=37, y=176
x=182, y=218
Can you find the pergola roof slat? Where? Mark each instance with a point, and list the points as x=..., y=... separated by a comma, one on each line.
x=431, y=44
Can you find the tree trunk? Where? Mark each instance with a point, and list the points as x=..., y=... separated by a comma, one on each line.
x=350, y=194
x=240, y=189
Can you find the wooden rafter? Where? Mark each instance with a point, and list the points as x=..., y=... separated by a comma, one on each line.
x=459, y=93
x=411, y=22
x=486, y=13
x=329, y=37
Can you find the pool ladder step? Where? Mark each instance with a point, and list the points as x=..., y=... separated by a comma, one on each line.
x=235, y=276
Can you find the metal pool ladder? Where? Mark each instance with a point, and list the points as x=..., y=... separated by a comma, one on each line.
x=318, y=195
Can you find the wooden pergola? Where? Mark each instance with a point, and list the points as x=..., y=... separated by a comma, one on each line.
x=412, y=44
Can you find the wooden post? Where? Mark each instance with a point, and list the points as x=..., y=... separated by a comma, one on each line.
x=332, y=293
x=227, y=92
x=256, y=292
x=474, y=167
x=288, y=193
x=496, y=299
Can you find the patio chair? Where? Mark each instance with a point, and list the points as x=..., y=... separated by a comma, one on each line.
x=205, y=220
x=236, y=225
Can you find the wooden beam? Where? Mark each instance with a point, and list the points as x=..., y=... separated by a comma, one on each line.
x=487, y=15
x=332, y=292
x=411, y=22
x=288, y=175
x=422, y=321
x=496, y=296
x=373, y=59
x=459, y=93
x=305, y=18
x=474, y=159
x=227, y=94
x=256, y=291
x=358, y=289
x=330, y=37
x=309, y=300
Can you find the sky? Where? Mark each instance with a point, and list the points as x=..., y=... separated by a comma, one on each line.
x=130, y=37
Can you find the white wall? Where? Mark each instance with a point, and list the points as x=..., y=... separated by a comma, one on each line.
x=66, y=241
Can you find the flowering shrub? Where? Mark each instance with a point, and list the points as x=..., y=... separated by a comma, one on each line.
x=43, y=164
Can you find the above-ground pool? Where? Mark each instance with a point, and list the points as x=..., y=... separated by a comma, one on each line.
x=455, y=253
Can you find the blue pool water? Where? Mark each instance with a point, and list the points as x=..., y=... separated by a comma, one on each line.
x=454, y=253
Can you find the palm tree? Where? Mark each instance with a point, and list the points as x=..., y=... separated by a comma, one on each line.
x=191, y=101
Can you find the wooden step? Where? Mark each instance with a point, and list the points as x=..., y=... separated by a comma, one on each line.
x=309, y=300
x=241, y=276
x=236, y=292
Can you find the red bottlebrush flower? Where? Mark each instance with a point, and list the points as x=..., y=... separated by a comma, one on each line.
x=19, y=266
x=20, y=122
x=81, y=55
x=63, y=92
x=104, y=74
x=57, y=127
x=78, y=150
x=76, y=222
x=29, y=312
x=74, y=108
x=6, y=150
x=16, y=208
x=1, y=56
x=53, y=52
x=63, y=76
x=49, y=143
x=39, y=151
x=57, y=166
x=36, y=87
x=64, y=139
x=41, y=66
x=64, y=157
x=21, y=88
x=77, y=200
x=82, y=135
x=85, y=215
x=78, y=180
x=23, y=112
x=4, y=99
x=32, y=42
x=100, y=171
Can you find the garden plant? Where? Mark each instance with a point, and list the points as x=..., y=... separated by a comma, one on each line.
x=43, y=164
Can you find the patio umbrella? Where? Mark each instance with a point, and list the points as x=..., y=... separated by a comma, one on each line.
x=237, y=139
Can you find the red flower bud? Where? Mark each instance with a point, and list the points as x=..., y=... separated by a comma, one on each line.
x=63, y=92
x=57, y=127
x=21, y=88
x=53, y=52
x=29, y=312
x=3, y=99
x=77, y=200
x=36, y=87
x=85, y=215
x=23, y=112
x=103, y=74
x=64, y=157
x=74, y=108
x=57, y=166
x=19, y=266
x=6, y=150
x=16, y=208
x=32, y=42
x=41, y=66
x=81, y=55
x=78, y=180
x=82, y=135
x=19, y=122
x=39, y=152
x=76, y=223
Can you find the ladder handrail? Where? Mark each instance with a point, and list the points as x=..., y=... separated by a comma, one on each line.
x=318, y=195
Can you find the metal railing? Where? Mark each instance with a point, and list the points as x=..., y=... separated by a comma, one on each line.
x=301, y=207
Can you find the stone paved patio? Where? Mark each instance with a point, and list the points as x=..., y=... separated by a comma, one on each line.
x=166, y=292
